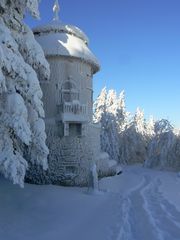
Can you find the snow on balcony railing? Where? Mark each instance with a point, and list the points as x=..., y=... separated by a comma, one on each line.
x=73, y=108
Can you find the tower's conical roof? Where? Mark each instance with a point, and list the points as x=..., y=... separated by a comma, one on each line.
x=59, y=39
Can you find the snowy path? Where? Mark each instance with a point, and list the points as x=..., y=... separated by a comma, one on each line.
x=143, y=213
x=140, y=204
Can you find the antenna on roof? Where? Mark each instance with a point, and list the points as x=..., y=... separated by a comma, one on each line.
x=56, y=9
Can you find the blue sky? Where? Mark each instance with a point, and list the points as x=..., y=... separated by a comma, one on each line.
x=138, y=45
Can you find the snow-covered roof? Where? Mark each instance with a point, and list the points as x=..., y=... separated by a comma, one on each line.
x=60, y=39
x=58, y=26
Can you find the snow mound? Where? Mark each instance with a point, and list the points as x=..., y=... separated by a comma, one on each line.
x=106, y=166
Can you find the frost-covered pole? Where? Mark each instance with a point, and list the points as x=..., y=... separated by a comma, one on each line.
x=56, y=9
x=93, y=179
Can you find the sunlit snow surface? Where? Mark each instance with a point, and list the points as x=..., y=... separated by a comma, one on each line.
x=139, y=204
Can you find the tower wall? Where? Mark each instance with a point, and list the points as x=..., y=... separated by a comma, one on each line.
x=73, y=141
x=66, y=69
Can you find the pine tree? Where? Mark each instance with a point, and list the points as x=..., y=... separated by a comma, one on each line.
x=122, y=116
x=150, y=128
x=100, y=106
x=110, y=143
x=133, y=140
x=21, y=110
x=110, y=112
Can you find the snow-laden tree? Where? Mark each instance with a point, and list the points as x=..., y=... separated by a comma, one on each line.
x=133, y=142
x=132, y=139
x=150, y=127
x=139, y=121
x=122, y=116
x=100, y=106
x=163, y=149
x=103, y=108
x=109, y=110
x=21, y=110
x=109, y=133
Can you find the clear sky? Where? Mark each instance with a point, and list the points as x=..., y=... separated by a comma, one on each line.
x=138, y=45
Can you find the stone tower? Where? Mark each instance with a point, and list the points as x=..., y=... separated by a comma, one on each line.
x=68, y=101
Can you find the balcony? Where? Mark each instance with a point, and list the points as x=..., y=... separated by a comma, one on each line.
x=73, y=112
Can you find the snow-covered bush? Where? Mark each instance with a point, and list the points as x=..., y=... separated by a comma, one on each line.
x=21, y=109
x=164, y=148
x=106, y=166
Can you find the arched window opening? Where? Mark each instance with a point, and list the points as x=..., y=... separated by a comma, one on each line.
x=69, y=92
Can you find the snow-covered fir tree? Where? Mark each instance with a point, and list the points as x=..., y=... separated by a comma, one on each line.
x=100, y=106
x=21, y=110
x=150, y=127
x=103, y=108
x=110, y=112
x=122, y=116
x=139, y=121
x=133, y=141
x=109, y=134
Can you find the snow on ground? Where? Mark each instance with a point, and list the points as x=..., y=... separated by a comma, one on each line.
x=139, y=204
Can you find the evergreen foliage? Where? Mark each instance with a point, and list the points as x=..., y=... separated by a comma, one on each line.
x=22, y=61
x=131, y=139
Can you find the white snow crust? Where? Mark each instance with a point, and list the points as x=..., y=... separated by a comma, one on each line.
x=136, y=205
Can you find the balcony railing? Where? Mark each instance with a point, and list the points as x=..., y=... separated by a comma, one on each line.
x=73, y=111
x=74, y=108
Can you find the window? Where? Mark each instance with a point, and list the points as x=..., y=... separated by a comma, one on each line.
x=75, y=129
x=69, y=92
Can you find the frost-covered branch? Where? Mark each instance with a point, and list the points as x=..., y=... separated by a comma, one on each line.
x=21, y=110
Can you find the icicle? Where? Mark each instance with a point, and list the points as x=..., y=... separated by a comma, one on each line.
x=56, y=9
